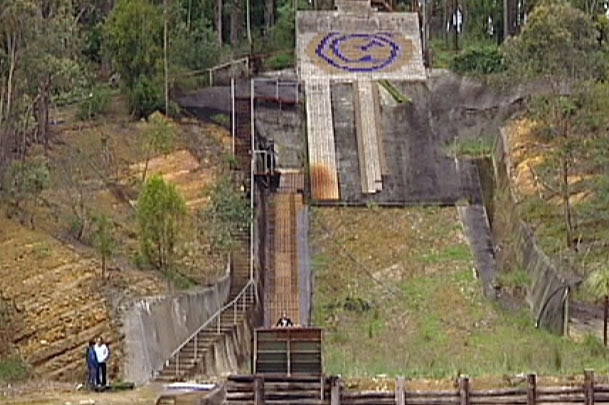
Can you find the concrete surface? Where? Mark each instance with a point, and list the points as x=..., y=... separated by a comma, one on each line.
x=230, y=354
x=348, y=46
x=322, y=149
x=155, y=327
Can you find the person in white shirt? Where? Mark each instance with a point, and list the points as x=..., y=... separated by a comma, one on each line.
x=101, y=350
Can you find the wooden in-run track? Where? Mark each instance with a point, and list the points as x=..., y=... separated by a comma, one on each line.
x=283, y=292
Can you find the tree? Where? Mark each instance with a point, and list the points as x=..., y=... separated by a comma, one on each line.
x=227, y=214
x=51, y=62
x=23, y=184
x=103, y=240
x=158, y=138
x=559, y=45
x=598, y=285
x=160, y=211
x=133, y=41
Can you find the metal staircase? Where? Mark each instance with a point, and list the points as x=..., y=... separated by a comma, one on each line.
x=187, y=360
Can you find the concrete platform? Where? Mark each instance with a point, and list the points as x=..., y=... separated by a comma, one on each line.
x=351, y=46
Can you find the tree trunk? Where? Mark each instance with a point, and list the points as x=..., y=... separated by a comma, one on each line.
x=42, y=114
x=165, y=62
x=566, y=201
x=12, y=50
x=236, y=22
x=188, y=15
x=103, y=259
x=218, y=12
x=146, y=167
x=606, y=314
x=269, y=14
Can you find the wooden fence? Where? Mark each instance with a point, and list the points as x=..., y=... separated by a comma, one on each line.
x=330, y=391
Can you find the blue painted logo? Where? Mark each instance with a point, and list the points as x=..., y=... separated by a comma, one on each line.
x=359, y=52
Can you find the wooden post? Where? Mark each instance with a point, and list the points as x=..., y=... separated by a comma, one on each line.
x=463, y=390
x=589, y=387
x=258, y=390
x=400, y=395
x=334, y=390
x=531, y=389
x=322, y=389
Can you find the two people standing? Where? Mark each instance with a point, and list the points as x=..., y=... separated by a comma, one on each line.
x=97, y=356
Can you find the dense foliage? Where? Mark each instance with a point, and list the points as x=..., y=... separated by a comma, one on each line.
x=160, y=211
x=479, y=60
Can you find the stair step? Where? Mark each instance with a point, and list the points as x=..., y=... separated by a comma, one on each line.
x=281, y=402
x=166, y=400
x=190, y=352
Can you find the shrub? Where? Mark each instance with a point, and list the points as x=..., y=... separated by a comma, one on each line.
x=95, y=104
x=281, y=61
x=12, y=369
x=478, y=61
x=146, y=97
x=160, y=211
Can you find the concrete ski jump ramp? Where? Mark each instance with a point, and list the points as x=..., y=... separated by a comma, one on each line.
x=355, y=45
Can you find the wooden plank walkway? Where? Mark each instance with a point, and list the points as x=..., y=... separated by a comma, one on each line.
x=367, y=139
x=322, y=152
x=291, y=181
x=285, y=295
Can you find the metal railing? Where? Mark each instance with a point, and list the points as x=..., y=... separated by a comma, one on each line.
x=245, y=61
x=240, y=300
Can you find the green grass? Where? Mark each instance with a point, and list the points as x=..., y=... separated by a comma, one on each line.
x=427, y=317
x=443, y=51
x=12, y=369
x=221, y=119
x=514, y=278
x=470, y=148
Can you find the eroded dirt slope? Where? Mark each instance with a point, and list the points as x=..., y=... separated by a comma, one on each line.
x=50, y=275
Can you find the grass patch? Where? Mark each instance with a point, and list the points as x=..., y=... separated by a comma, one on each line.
x=281, y=61
x=451, y=253
x=12, y=369
x=427, y=317
x=220, y=119
x=42, y=250
x=394, y=92
x=179, y=280
x=514, y=278
x=471, y=148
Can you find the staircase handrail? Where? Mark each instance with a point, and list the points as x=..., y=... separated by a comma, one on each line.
x=244, y=60
x=215, y=316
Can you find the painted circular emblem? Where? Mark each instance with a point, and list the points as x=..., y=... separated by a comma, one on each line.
x=359, y=52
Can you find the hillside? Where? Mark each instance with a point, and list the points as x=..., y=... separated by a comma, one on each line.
x=51, y=291
x=536, y=179
x=399, y=283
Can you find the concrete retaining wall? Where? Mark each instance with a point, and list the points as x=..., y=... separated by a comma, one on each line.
x=155, y=327
x=517, y=249
x=232, y=352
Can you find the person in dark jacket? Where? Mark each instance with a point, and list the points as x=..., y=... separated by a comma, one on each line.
x=92, y=365
x=284, y=321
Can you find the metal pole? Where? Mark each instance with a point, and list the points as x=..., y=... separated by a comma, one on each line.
x=249, y=26
x=456, y=23
x=425, y=32
x=233, y=124
x=506, y=19
x=252, y=129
